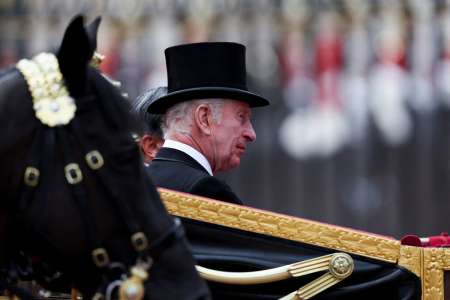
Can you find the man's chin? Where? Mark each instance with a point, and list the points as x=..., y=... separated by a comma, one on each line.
x=232, y=165
x=235, y=163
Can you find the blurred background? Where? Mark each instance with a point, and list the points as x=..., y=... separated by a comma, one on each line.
x=358, y=133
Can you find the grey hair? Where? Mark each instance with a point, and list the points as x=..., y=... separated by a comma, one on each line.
x=179, y=119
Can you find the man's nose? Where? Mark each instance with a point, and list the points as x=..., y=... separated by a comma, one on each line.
x=249, y=133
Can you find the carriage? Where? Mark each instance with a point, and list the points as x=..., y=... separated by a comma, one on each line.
x=352, y=264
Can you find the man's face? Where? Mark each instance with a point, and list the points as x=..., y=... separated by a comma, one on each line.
x=231, y=134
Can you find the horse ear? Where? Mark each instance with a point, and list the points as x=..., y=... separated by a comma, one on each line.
x=74, y=55
x=92, y=30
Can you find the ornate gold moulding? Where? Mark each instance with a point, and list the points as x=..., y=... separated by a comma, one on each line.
x=428, y=264
x=282, y=226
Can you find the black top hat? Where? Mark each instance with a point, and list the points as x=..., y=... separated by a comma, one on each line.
x=205, y=70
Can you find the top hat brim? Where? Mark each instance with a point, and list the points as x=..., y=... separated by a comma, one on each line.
x=160, y=105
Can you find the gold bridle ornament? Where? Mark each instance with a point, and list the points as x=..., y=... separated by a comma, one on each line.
x=52, y=103
x=133, y=287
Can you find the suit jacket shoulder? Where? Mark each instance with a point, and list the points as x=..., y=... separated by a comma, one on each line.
x=214, y=188
x=173, y=169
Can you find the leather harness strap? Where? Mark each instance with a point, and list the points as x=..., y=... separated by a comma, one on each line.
x=78, y=192
x=155, y=248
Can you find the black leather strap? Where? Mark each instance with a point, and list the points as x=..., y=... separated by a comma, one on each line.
x=157, y=246
x=63, y=141
x=80, y=195
x=32, y=161
x=122, y=207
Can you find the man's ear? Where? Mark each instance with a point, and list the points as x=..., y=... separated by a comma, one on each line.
x=203, y=118
x=150, y=147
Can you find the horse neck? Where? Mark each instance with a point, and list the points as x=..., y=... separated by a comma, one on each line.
x=18, y=124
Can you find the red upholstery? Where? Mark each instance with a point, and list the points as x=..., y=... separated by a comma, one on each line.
x=442, y=240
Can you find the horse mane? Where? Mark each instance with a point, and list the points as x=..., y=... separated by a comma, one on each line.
x=115, y=107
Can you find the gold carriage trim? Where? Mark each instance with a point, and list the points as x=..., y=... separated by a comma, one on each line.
x=429, y=264
x=51, y=101
x=282, y=226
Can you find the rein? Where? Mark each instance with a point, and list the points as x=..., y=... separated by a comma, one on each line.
x=55, y=109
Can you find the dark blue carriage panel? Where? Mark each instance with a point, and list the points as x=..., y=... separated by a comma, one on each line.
x=229, y=249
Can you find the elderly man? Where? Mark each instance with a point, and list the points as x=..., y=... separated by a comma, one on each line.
x=207, y=118
x=151, y=138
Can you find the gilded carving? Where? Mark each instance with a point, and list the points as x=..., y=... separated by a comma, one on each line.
x=446, y=259
x=411, y=259
x=427, y=263
x=433, y=275
x=341, y=265
x=287, y=227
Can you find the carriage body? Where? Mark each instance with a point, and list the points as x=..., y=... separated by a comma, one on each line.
x=237, y=238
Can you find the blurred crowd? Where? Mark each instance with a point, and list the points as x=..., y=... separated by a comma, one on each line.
x=359, y=130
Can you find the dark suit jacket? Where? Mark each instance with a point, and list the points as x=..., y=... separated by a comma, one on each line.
x=175, y=170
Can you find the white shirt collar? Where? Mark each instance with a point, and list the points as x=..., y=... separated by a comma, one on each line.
x=199, y=157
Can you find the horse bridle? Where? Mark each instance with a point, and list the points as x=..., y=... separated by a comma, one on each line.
x=55, y=108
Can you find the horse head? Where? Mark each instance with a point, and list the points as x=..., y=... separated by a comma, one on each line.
x=74, y=195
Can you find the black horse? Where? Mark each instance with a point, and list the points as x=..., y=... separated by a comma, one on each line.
x=75, y=202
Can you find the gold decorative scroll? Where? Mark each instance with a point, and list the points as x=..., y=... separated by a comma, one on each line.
x=282, y=226
x=338, y=265
x=313, y=288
